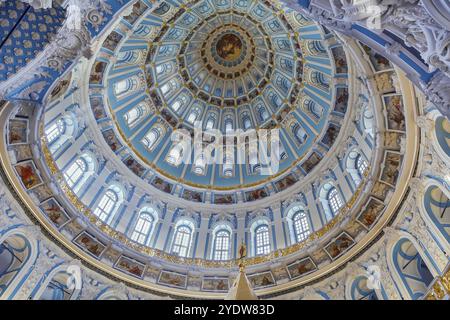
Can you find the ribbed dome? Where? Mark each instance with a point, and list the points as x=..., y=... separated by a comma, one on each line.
x=223, y=66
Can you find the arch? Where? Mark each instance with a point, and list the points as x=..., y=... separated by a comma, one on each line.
x=109, y=203
x=126, y=86
x=182, y=238
x=153, y=137
x=299, y=224
x=221, y=249
x=260, y=232
x=112, y=293
x=442, y=132
x=356, y=165
x=436, y=202
x=59, y=131
x=18, y=253
x=133, y=116
x=59, y=284
x=80, y=171
x=331, y=200
x=145, y=224
x=368, y=120
x=409, y=265
x=358, y=288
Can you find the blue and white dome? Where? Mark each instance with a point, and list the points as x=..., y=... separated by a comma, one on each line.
x=226, y=66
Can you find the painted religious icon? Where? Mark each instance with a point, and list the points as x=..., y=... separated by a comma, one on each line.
x=311, y=162
x=255, y=194
x=286, y=182
x=395, y=112
x=172, y=279
x=17, y=131
x=261, y=280
x=54, y=212
x=229, y=47
x=339, y=246
x=371, y=212
x=130, y=266
x=391, y=168
x=224, y=198
x=215, y=284
x=90, y=244
x=28, y=174
x=301, y=268
x=162, y=185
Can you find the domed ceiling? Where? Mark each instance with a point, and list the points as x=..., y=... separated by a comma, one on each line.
x=221, y=65
x=105, y=179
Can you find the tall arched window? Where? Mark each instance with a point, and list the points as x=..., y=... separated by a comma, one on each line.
x=193, y=115
x=222, y=244
x=300, y=223
x=356, y=165
x=200, y=165
x=125, y=86
x=299, y=133
x=55, y=130
x=182, y=239
x=135, y=114
x=175, y=155
x=368, y=120
x=335, y=200
x=262, y=240
x=361, y=165
x=263, y=114
x=144, y=226
x=109, y=203
x=74, y=173
x=331, y=200
x=150, y=139
x=210, y=123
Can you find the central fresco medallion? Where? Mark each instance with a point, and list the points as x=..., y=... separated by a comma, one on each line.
x=229, y=47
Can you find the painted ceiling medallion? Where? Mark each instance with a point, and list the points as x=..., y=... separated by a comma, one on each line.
x=229, y=47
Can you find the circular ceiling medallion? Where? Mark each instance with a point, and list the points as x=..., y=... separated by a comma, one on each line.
x=229, y=47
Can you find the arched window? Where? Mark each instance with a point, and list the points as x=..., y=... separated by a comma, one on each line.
x=227, y=167
x=246, y=122
x=228, y=126
x=320, y=80
x=222, y=244
x=59, y=132
x=180, y=102
x=263, y=114
x=361, y=165
x=210, y=123
x=136, y=113
x=74, y=173
x=125, y=86
x=262, y=240
x=175, y=155
x=368, y=121
x=182, y=239
x=152, y=137
x=299, y=133
x=313, y=108
x=109, y=203
x=356, y=166
x=193, y=115
x=55, y=130
x=144, y=226
x=334, y=200
x=331, y=200
x=200, y=165
x=300, y=224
